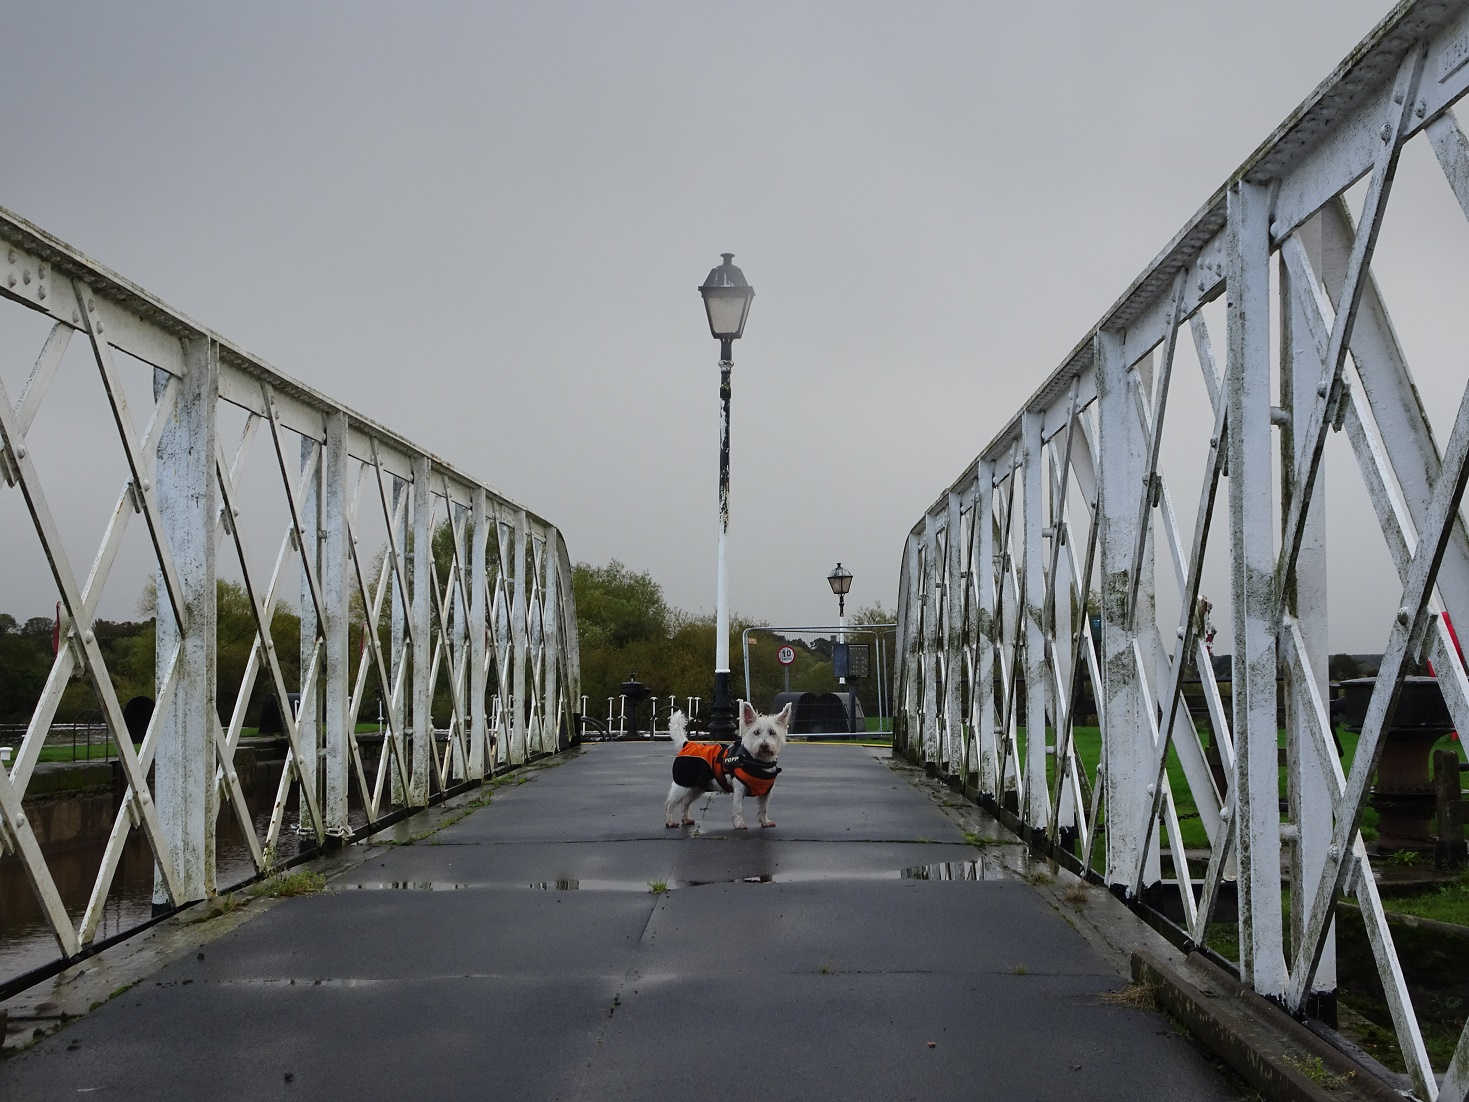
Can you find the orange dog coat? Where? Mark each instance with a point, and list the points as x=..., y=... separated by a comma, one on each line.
x=704, y=764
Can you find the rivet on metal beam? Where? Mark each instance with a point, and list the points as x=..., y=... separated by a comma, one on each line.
x=1338, y=405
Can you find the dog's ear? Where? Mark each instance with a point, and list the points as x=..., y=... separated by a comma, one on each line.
x=783, y=717
x=748, y=715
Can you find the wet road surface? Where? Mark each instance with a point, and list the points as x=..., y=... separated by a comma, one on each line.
x=561, y=943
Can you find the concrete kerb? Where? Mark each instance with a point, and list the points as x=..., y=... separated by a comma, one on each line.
x=1257, y=1040
x=1265, y=1046
x=48, y=1006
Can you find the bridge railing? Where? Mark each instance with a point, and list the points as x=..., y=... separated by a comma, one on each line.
x=292, y=544
x=1059, y=519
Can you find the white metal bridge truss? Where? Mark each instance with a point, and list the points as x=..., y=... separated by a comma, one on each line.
x=1070, y=497
x=497, y=626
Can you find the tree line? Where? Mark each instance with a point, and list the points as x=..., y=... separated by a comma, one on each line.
x=625, y=625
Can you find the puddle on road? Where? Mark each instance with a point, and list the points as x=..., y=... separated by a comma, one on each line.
x=947, y=870
x=973, y=870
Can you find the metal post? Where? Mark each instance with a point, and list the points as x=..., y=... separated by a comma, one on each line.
x=423, y=580
x=308, y=710
x=551, y=648
x=929, y=596
x=953, y=748
x=1127, y=751
x=1252, y=561
x=335, y=611
x=1037, y=676
x=187, y=504
x=721, y=715
x=842, y=626
x=982, y=701
x=478, y=673
x=1309, y=778
x=518, y=749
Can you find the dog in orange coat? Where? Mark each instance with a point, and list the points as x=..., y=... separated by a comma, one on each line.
x=745, y=768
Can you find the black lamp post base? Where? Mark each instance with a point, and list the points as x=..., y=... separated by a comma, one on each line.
x=722, y=725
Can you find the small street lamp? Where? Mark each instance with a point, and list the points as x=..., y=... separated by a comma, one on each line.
x=727, y=298
x=840, y=580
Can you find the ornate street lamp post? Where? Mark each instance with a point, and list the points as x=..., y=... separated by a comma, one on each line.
x=727, y=303
x=840, y=581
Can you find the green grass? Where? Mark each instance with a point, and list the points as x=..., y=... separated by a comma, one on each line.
x=287, y=884
x=1449, y=903
x=98, y=751
x=1088, y=744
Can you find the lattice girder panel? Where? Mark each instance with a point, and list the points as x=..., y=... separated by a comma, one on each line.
x=1082, y=490
x=189, y=501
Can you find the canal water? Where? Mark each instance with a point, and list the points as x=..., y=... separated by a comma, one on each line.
x=26, y=940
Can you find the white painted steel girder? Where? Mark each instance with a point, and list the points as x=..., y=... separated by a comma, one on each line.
x=183, y=483
x=1341, y=368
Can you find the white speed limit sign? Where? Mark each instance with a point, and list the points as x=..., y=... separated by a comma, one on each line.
x=786, y=655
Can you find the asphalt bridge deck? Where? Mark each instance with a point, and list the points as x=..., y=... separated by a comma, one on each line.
x=861, y=949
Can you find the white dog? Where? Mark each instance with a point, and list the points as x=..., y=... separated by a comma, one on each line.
x=748, y=767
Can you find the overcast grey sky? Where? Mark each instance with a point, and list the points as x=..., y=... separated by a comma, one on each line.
x=483, y=225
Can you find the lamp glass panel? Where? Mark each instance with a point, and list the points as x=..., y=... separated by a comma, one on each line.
x=726, y=313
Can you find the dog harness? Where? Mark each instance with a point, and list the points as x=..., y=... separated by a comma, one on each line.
x=705, y=764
